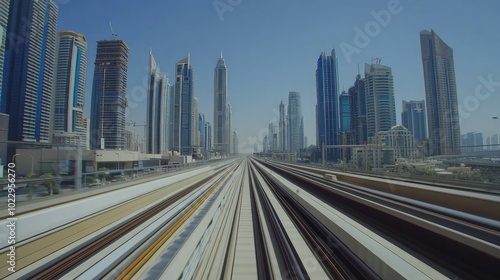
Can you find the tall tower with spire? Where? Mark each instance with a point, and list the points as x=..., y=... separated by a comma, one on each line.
x=281, y=129
x=221, y=129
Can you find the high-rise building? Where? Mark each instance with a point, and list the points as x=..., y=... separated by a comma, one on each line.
x=69, y=89
x=282, y=128
x=208, y=137
x=301, y=132
x=345, y=112
x=413, y=118
x=440, y=95
x=221, y=140
x=157, y=120
x=201, y=132
x=195, y=129
x=271, y=133
x=4, y=18
x=358, y=112
x=183, y=107
x=109, y=95
x=235, y=142
x=327, y=107
x=229, y=116
x=29, y=68
x=380, y=105
x=295, y=135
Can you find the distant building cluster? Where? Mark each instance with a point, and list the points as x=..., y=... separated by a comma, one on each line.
x=360, y=124
x=287, y=136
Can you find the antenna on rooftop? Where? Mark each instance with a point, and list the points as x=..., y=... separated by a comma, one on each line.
x=113, y=34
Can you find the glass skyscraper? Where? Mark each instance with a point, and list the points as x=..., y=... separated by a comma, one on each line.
x=295, y=134
x=29, y=67
x=109, y=95
x=358, y=111
x=327, y=107
x=183, y=106
x=345, y=112
x=440, y=95
x=413, y=118
x=4, y=18
x=380, y=105
x=69, y=91
x=221, y=133
x=157, y=122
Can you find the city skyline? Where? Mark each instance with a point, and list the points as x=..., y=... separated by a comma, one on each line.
x=344, y=66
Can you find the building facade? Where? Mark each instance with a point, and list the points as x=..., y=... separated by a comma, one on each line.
x=183, y=107
x=4, y=18
x=69, y=89
x=413, y=118
x=157, y=120
x=345, y=112
x=282, y=140
x=380, y=104
x=208, y=137
x=109, y=95
x=235, y=142
x=295, y=134
x=358, y=124
x=327, y=107
x=440, y=95
x=29, y=68
x=221, y=133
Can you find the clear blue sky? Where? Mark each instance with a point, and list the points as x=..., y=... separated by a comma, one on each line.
x=271, y=47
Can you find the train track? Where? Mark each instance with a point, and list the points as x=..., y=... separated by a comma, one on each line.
x=457, y=250
x=69, y=260
x=335, y=257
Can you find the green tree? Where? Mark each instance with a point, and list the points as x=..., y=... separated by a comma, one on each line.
x=51, y=183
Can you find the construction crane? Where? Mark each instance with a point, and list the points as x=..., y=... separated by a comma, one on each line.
x=134, y=124
x=113, y=34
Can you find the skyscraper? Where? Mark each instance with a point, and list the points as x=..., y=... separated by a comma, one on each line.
x=183, y=106
x=380, y=105
x=440, y=95
x=345, y=112
x=69, y=90
x=195, y=129
x=201, y=131
x=109, y=95
x=157, y=121
x=413, y=118
x=358, y=111
x=271, y=132
x=208, y=137
x=229, y=116
x=295, y=134
x=4, y=18
x=235, y=142
x=327, y=107
x=281, y=130
x=29, y=67
x=221, y=134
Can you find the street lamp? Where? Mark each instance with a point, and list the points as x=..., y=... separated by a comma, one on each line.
x=102, y=103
